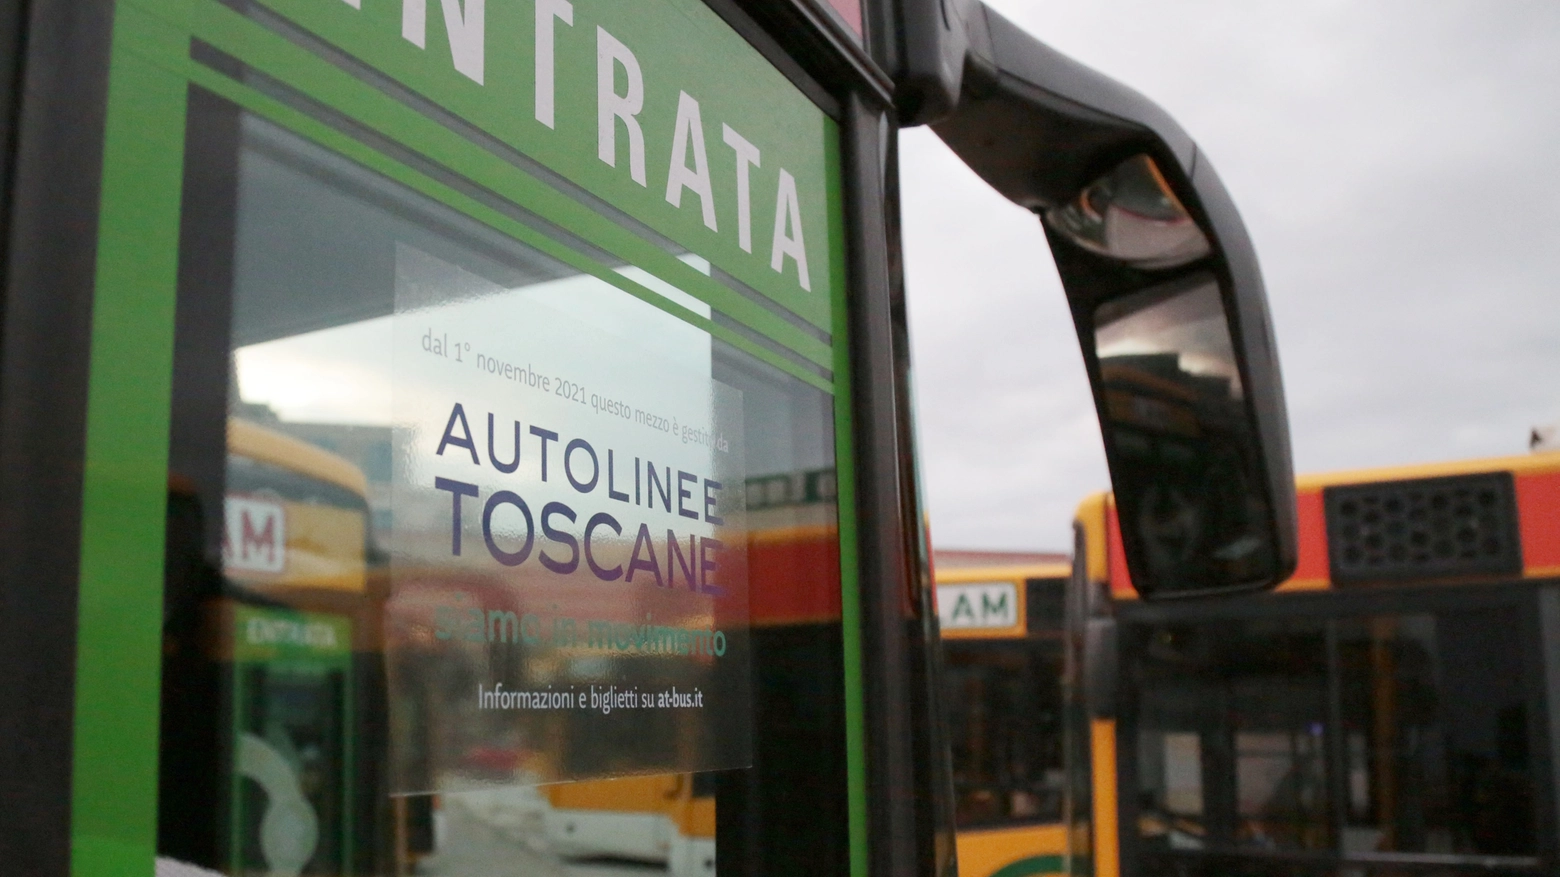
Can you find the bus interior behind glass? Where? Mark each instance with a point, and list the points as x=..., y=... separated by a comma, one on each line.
x=1005, y=719
x=1363, y=735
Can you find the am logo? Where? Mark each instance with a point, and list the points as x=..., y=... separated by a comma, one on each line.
x=977, y=606
x=255, y=536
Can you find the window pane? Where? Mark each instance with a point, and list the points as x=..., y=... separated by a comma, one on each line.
x=1434, y=712
x=1004, y=702
x=449, y=519
x=1231, y=747
x=1409, y=732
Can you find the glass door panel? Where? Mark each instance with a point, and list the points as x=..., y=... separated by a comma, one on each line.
x=1347, y=745
x=477, y=563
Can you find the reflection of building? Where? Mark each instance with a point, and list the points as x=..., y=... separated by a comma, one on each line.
x=1183, y=442
x=367, y=447
x=791, y=489
x=1153, y=392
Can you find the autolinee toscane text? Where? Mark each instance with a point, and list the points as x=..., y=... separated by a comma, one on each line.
x=660, y=555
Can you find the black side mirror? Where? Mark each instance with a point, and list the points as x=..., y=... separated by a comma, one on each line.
x=1168, y=302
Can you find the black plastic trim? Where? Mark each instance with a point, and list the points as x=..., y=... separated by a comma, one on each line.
x=884, y=567
x=1362, y=601
x=1394, y=530
x=909, y=780
x=12, y=41
x=925, y=53
x=818, y=42
x=43, y=390
x=1020, y=94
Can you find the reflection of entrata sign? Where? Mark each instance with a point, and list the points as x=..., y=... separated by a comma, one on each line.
x=591, y=473
x=263, y=633
x=977, y=607
x=254, y=538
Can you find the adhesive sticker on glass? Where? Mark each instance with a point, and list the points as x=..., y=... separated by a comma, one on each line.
x=568, y=556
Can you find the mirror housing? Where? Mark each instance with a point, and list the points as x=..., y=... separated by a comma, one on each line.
x=1166, y=296
x=927, y=59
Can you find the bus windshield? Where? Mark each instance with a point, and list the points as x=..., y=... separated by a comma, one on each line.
x=1369, y=734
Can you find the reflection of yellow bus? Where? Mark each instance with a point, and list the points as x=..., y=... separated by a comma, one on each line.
x=295, y=515
x=1001, y=621
x=661, y=819
x=624, y=818
x=692, y=852
x=286, y=634
x=670, y=818
x=1389, y=709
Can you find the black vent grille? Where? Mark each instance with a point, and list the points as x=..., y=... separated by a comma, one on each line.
x=1425, y=528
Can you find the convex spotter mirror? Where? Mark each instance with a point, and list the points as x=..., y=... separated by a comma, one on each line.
x=1167, y=299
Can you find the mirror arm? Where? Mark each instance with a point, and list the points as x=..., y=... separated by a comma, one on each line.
x=1017, y=92
x=1042, y=128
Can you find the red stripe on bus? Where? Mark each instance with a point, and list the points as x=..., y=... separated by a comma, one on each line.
x=794, y=580
x=1116, y=558
x=1538, y=508
x=1313, y=537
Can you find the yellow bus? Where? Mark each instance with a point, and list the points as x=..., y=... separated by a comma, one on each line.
x=1001, y=621
x=285, y=636
x=658, y=819
x=1388, y=709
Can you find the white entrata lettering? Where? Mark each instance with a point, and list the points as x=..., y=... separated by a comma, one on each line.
x=747, y=157
x=546, y=11
x=789, y=212
x=611, y=106
x=991, y=605
x=467, y=31
x=465, y=23
x=690, y=129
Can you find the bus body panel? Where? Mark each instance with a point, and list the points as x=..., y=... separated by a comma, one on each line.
x=1013, y=852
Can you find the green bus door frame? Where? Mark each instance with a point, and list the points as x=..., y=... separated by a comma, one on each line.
x=53, y=780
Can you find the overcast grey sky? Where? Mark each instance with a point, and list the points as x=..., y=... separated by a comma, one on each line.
x=1396, y=165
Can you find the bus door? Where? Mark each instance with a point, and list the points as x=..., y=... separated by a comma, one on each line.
x=1334, y=734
